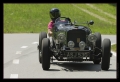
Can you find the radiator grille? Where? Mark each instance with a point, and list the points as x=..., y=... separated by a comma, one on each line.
x=75, y=35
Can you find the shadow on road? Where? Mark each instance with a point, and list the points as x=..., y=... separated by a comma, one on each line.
x=78, y=66
x=53, y=70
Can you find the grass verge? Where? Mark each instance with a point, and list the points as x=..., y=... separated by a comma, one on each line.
x=114, y=47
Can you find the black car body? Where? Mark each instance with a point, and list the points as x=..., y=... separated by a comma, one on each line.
x=71, y=42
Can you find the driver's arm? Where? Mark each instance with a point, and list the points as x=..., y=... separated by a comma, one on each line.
x=50, y=32
x=50, y=26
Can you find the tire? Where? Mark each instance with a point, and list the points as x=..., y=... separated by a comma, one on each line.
x=97, y=61
x=41, y=36
x=98, y=45
x=106, y=47
x=45, y=54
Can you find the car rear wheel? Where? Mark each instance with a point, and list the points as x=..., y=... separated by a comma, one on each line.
x=45, y=54
x=106, y=47
x=97, y=59
x=41, y=36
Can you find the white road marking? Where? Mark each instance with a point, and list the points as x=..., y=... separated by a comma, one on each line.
x=16, y=61
x=24, y=46
x=18, y=52
x=34, y=42
x=93, y=14
x=14, y=76
x=114, y=53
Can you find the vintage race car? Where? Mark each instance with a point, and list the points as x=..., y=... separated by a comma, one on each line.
x=72, y=42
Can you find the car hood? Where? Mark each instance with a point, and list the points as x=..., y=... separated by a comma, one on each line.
x=63, y=27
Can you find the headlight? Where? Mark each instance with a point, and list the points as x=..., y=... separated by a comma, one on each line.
x=82, y=45
x=92, y=37
x=71, y=44
x=61, y=37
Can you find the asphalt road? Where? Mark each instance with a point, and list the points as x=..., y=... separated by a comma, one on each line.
x=21, y=61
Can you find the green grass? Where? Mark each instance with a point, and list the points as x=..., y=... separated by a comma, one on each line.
x=99, y=13
x=114, y=47
x=109, y=8
x=34, y=18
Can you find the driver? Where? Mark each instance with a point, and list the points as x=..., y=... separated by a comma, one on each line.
x=54, y=14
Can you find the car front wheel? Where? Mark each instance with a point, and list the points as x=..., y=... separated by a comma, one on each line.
x=45, y=54
x=97, y=59
x=106, y=47
x=41, y=36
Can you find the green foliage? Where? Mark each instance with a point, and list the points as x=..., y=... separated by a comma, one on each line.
x=34, y=18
